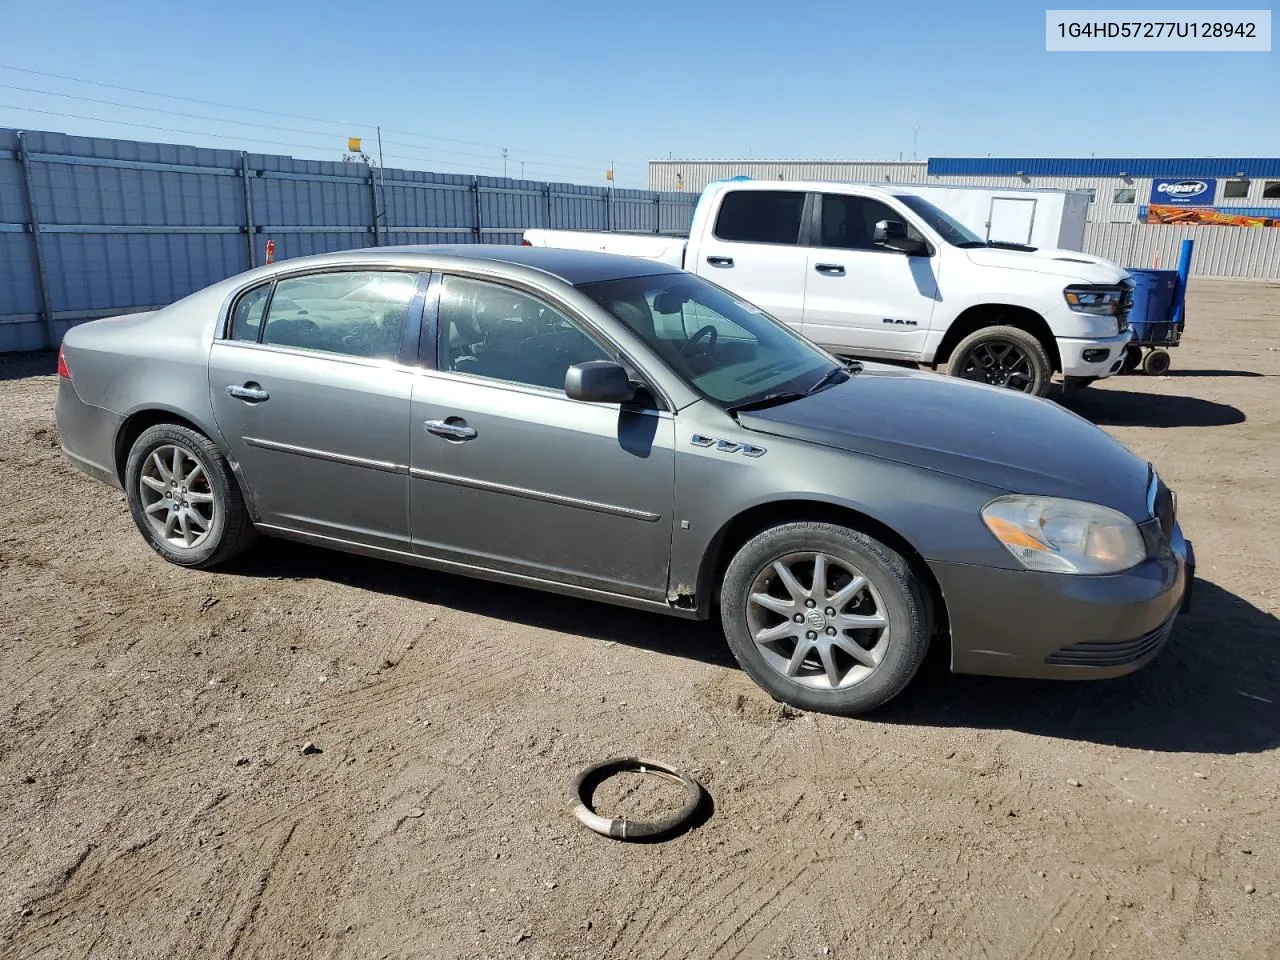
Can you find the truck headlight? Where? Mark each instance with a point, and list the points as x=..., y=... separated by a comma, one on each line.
x=1065, y=536
x=1097, y=300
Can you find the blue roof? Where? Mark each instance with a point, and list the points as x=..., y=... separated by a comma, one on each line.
x=1104, y=167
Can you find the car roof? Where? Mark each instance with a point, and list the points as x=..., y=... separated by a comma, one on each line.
x=572, y=266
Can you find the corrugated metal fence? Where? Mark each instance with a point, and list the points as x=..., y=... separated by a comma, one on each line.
x=91, y=227
x=1251, y=253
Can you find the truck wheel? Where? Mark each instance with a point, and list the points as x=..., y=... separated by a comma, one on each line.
x=184, y=498
x=1132, y=358
x=825, y=618
x=1003, y=357
x=1156, y=363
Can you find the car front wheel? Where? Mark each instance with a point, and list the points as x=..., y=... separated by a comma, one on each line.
x=1003, y=357
x=184, y=497
x=824, y=617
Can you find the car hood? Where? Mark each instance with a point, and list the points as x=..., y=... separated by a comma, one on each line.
x=1061, y=263
x=985, y=434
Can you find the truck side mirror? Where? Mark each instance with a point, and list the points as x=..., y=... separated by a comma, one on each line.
x=599, y=381
x=892, y=234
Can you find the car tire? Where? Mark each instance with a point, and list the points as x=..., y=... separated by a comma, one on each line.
x=1031, y=373
x=893, y=592
x=1132, y=358
x=194, y=516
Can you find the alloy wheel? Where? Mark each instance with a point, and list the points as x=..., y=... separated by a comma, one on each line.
x=999, y=363
x=177, y=499
x=828, y=635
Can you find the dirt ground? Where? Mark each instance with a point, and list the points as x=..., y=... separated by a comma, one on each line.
x=155, y=800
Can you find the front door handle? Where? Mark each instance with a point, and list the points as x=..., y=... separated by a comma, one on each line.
x=457, y=430
x=829, y=269
x=249, y=393
x=720, y=261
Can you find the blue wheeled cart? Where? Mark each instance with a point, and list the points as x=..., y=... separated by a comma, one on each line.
x=1158, y=315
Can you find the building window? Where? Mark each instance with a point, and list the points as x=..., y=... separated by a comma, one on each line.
x=1092, y=192
x=1235, y=189
x=1124, y=195
x=1271, y=190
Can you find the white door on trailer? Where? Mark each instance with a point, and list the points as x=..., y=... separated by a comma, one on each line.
x=1011, y=220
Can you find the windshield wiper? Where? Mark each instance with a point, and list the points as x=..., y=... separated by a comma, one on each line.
x=969, y=244
x=768, y=400
x=828, y=377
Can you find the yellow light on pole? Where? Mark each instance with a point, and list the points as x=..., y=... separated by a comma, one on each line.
x=608, y=174
x=353, y=144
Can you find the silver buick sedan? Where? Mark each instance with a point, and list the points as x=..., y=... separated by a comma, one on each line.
x=615, y=429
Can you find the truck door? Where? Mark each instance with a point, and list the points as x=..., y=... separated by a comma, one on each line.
x=753, y=249
x=861, y=298
x=1011, y=220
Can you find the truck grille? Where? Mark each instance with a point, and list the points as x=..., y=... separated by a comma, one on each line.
x=1126, y=304
x=1111, y=654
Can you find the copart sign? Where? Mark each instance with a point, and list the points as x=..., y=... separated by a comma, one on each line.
x=1189, y=193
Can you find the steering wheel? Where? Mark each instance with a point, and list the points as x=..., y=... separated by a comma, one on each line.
x=711, y=334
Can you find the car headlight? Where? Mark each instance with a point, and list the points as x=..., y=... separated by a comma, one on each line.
x=1101, y=301
x=1065, y=536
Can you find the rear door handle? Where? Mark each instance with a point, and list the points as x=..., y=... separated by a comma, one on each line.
x=249, y=393
x=720, y=261
x=829, y=269
x=450, y=431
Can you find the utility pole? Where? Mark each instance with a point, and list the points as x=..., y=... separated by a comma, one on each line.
x=521, y=169
x=915, y=140
x=504, y=162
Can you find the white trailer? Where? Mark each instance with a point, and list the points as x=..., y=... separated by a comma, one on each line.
x=1046, y=218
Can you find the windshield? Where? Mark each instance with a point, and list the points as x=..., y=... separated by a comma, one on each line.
x=950, y=229
x=728, y=350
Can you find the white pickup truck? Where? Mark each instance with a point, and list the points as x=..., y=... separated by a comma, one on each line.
x=881, y=272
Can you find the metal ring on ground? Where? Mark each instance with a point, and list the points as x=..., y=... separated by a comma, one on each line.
x=621, y=828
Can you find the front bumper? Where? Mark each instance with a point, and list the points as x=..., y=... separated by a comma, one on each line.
x=1093, y=358
x=1016, y=623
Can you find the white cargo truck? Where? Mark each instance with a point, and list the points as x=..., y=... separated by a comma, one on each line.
x=881, y=271
x=1039, y=218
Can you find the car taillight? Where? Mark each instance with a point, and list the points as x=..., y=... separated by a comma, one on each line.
x=63, y=370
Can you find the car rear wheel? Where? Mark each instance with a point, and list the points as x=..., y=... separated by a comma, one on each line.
x=825, y=618
x=184, y=498
x=1003, y=357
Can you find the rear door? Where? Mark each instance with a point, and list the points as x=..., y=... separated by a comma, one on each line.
x=312, y=398
x=860, y=297
x=753, y=248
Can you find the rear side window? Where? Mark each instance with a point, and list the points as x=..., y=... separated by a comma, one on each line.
x=246, y=322
x=357, y=313
x=760, y=216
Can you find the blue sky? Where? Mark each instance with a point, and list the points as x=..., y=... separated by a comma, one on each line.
x=571, y=86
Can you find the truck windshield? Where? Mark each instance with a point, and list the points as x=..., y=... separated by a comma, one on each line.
x=729, y=350
x=950, y=229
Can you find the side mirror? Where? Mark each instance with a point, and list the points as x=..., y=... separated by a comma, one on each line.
x=893, y=235
x=598, y=381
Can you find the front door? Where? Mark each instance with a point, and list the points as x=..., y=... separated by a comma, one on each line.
x=309, y=393
x=861, y=297
x=754, y=250
x=508, y=473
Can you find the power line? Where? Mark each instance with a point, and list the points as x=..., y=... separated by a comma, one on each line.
x=267, y=126
x=280, y=113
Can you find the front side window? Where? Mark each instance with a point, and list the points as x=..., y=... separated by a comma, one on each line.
x=725, y=348
x=357, y=313
x=246, y=320
x=760, y=216
x=1235, y=189
x=848, y=222
x=488, y=330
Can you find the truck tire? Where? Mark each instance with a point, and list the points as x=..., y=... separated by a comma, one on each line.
x=825, y=618
x=184, y=498
x=1132, y=358
x=1003, y=357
